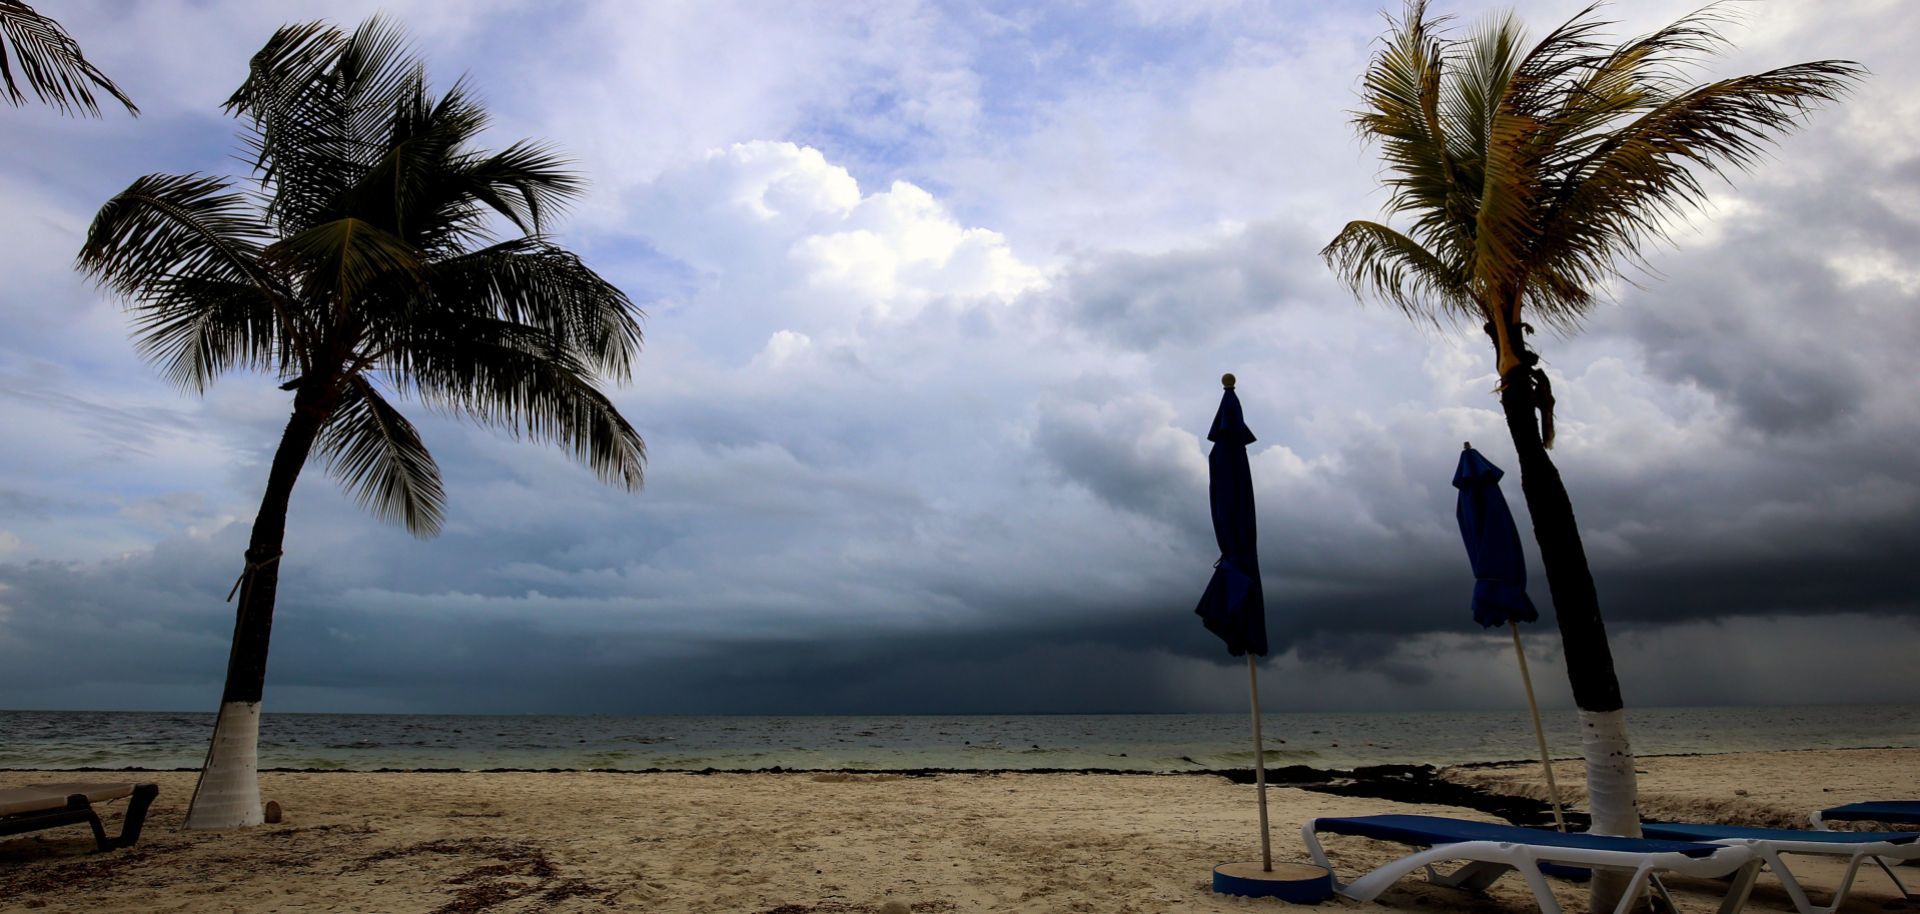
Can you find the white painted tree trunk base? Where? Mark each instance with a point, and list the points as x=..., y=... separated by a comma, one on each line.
x=1613, y=795
x=228, y=795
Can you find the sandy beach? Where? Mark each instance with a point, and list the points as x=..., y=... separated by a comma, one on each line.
x=795, y=843
x=1773, y=789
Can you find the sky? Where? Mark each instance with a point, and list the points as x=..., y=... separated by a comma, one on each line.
x=937, y=300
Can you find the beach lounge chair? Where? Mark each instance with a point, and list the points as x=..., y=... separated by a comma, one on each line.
x=38, y=806
x=1490, y=850
x=1770, y=843
x=1893, y=812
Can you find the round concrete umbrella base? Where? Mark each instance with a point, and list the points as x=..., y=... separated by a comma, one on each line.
x=1300, y=883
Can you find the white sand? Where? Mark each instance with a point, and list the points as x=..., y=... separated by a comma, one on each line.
x=1773, y=789
x=759, y=843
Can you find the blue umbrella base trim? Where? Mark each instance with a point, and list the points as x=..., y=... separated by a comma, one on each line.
x=1299, y=883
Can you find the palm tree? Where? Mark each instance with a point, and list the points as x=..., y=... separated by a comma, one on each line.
x=51, y=62
x=1530, y=177
x=361, y=269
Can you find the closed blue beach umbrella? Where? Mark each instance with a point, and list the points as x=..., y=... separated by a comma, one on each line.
x=1499, y=576
x=1233, y=606
x=1493, y=544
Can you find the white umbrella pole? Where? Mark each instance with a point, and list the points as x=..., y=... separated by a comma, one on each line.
x=1539, y=734
x=1259, y=765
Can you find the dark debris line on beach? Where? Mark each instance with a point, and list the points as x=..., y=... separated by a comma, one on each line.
x=1420, y=784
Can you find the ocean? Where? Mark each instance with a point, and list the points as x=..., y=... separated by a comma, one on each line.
x=1131, y=742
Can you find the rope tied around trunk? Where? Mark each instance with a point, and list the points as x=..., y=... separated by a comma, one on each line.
x=253, y=565
x=1543, y=399
x=1530, y=369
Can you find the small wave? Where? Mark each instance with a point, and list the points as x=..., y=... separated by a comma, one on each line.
x=614, y=759
x=317, y=762
x=1243, y=759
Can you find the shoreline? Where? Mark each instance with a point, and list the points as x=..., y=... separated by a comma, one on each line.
x=1512, y=791
x=1231, y=773
x=1063, y=742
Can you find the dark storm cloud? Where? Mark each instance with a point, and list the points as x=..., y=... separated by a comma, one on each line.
x=1126, y=452
x=490, y=644
x=143, y=621
x=1782, y=331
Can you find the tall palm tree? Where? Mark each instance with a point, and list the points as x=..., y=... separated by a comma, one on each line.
x=51, y=62
x=362, y=268
x=1530, y=176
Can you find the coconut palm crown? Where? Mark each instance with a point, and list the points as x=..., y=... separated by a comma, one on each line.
x=37, y=49
x=1530, y=176
x=365, y=266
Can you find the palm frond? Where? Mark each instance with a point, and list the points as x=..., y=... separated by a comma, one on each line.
x=528, y=183
x=375, y=73
x=166, y=240
x=164, y=225
x=1638, y=75
x=523, y=381
x=288, y=102
x=1373, y=259
x=1642, y=176
x=1401, y=94
x=378, y=455
x=196, y=327
x=529, y=281
x=51, y=63
x=287, y=69
x=1475, y=81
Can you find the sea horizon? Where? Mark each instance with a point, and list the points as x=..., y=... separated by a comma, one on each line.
x=1544, y=710
x=1123, y=741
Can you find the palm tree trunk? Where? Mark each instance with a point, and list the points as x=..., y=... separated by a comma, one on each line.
x=1612, y=794
x=228, y=795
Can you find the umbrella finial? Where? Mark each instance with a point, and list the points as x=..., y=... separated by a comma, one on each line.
x=1226, y=380
x=1466, y=445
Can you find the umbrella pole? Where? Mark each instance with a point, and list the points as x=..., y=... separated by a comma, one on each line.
x=1259, y=765
x=1539, y=734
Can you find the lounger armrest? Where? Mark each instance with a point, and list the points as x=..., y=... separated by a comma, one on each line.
x=143, y=797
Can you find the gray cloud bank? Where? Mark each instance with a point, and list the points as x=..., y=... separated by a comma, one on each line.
x=941, y=449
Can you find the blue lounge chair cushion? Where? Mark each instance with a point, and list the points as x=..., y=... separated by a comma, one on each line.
x=1429, y=831
x=1884, y=811
x=1677, y=831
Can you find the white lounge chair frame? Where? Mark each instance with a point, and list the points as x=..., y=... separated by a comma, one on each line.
x=1489, y=860
x=1770, y=849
